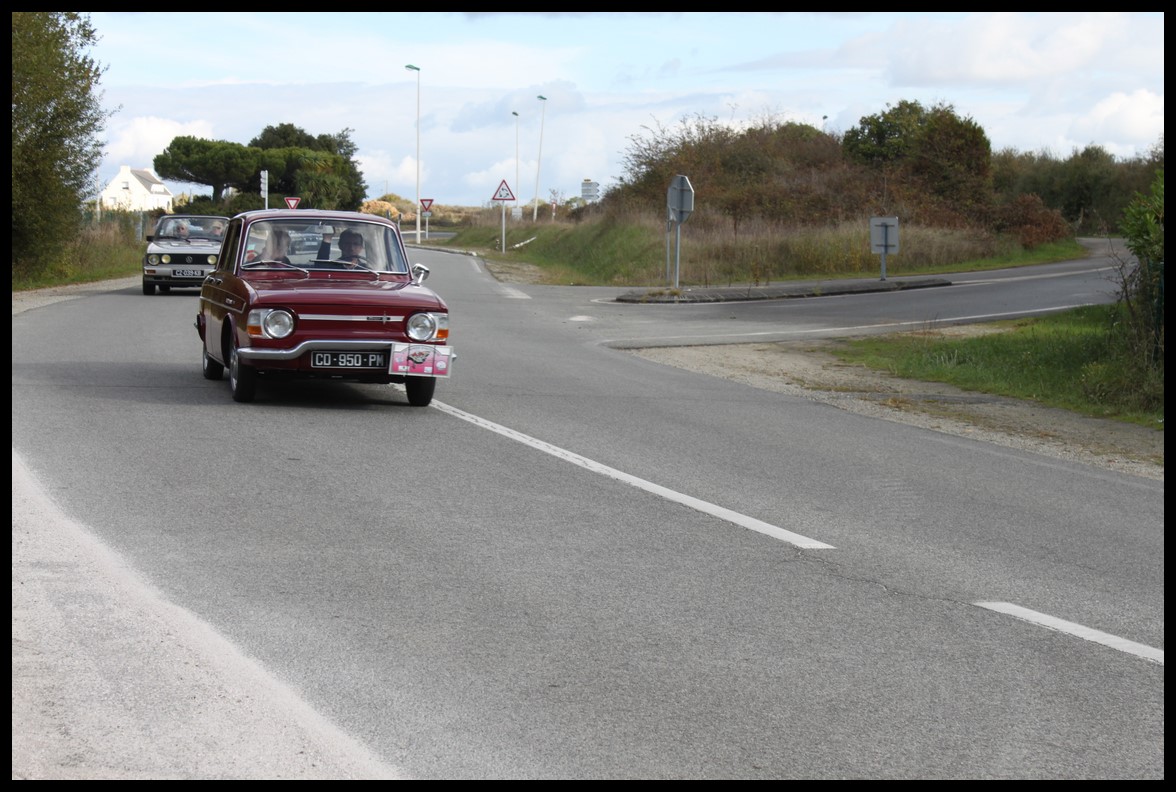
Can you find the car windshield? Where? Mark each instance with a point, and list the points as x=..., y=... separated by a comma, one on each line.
x=324, y=245
x=193, y=227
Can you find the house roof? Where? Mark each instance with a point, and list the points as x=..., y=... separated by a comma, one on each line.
x=149, y=180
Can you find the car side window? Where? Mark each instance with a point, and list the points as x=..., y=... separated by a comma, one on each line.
x=228, y=259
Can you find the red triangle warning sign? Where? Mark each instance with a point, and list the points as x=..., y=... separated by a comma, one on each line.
x=504, y=193
x=292, y=203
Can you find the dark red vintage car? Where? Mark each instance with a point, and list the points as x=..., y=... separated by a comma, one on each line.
x=348, y=308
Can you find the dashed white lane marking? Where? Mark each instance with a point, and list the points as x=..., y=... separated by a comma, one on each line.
x=741, y=520
x=1077, y=630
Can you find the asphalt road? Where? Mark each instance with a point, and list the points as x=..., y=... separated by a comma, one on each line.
x=576, y=564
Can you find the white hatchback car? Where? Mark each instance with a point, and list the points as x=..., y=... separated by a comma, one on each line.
x=183, y=249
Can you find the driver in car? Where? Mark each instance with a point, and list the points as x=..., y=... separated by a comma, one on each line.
x=351, y=248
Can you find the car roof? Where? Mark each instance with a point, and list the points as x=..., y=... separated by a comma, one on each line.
x=310, y=216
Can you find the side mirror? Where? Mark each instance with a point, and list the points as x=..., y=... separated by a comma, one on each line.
x=419, y=273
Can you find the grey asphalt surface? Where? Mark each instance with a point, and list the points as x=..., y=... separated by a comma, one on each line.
x=80, y=712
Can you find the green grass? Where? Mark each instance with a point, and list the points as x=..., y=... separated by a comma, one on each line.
x=1077, y=360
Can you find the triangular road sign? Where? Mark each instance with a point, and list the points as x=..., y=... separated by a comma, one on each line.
x=426, y=204
x=292, y=203
x=504, y=193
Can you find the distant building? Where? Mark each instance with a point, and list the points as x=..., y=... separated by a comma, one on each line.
x=136, y=190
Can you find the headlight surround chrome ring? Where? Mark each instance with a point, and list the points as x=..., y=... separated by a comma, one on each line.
x=428, y=326
x=270, y=322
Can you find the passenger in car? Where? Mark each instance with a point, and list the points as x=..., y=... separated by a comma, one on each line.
x=277, y=246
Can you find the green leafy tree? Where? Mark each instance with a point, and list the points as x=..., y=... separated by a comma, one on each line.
x=218, y=164
x=284, y=136
x=330, y=183
x=888, y=136
x=1143, y=288
x=56, y=119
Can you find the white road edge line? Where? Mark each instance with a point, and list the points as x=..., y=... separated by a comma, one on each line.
x=508, y=292
x=1070, y=628
x=741, y=520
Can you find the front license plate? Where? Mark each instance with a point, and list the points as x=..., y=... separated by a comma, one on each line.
x=349, y=360
x=187, y=273
x=421, y=360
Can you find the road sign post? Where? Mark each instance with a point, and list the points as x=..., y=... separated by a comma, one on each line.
x=679, y=205
x=502, y=195
x=884, y=238
x=426, y=204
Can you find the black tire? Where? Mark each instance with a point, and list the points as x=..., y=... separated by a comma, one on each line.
x=148, y=288
x=242, y=378
x=420, y=390
x=212, y=369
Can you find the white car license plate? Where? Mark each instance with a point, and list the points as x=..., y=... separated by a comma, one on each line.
x=187, y=273
x=349, y=360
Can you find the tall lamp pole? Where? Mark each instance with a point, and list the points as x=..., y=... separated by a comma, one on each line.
x=417, y=69
x=517, y=185
x=539, y=159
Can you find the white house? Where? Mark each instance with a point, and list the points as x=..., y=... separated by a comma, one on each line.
x=136, y=190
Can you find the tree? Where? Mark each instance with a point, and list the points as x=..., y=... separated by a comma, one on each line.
x=284, y=136
x=218, y=164
x=56, y=119
x=330, y=184
x=953, y=157
x=886, y=137
x=1143, y=286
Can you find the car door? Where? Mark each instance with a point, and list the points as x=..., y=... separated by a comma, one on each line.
x=217, y=294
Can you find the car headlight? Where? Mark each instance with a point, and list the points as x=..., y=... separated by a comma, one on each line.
x=212, y=260
x=153, y=260
x=270, y=323
x=428, y=327
x=165, y=258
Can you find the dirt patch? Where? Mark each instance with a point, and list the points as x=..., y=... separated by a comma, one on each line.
x=515, y=272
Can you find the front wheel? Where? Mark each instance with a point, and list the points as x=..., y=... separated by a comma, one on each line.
x=242, y=378
x=420, y=390
x=148, y=288
x=213, y=370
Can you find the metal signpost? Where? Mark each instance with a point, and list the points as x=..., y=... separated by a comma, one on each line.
x=884, y=238
x=503, y=194
x=426, y=205
x=265, y=187
x=679, y=205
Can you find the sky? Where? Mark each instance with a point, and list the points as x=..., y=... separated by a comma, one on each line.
x=1034, y=81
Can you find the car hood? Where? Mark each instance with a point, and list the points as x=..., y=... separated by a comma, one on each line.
x=348, y=291
x=176, y=246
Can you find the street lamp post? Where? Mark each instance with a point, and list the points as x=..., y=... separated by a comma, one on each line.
x=517, y=185
x=539, y=159
x=417, y=69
